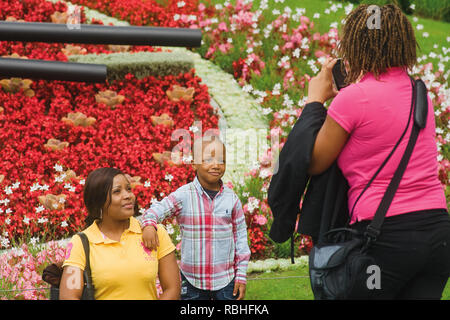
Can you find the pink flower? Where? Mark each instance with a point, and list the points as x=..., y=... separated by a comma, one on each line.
x=68, y=249
x=223, y=27
x=260, y=219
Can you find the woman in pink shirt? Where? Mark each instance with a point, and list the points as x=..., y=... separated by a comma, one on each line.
x=364, y=121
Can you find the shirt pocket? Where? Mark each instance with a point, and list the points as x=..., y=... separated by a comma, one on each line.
x=223, y=218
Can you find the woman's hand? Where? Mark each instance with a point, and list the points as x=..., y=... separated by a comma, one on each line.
x=321, y=87
x=150, y=237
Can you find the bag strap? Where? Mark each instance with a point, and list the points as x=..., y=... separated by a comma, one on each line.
x=390, y=154
x=87, y=268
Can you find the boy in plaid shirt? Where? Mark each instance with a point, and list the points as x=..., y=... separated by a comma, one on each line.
x=214, y=247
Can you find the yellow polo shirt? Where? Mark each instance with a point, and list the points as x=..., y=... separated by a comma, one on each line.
x=124, y=270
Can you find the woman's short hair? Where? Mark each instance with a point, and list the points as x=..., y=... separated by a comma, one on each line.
x=97, y=192
x=375, y=38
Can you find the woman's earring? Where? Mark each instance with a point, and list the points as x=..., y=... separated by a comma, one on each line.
x=101, y=214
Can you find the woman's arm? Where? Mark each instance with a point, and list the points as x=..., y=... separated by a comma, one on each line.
x=331, y=137
x=329, y=143
x=71, y=286
x=169, y=277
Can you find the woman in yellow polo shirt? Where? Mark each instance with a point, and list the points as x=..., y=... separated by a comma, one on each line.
x=121, y=266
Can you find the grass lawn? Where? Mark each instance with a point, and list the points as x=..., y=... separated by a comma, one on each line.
x=289, y=285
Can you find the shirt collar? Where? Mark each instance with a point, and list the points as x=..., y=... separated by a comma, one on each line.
x=96, y=236
x=200, y=188
x=389, y=72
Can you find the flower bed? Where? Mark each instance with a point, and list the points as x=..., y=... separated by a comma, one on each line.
x=54, y=133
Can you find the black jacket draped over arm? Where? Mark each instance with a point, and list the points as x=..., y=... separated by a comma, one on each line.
x=325, y=202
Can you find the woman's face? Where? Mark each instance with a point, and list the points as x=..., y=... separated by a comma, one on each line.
x=122, y=200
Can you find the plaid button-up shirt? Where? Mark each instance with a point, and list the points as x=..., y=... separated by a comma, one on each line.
x=214, y=247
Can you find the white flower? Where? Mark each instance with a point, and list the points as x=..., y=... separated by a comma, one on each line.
x=26, y=220
x=316, y=15
x=64, y=224
x=419, y=27
x=296, y=53
x=5, y=242
x=176, y=17
x=266, y=111
x=82, y=182
x=8, y=211
x=178, y=237
x=415, y=19
x=162, y=194
x=412, y=6
x=59, y=179
x=8, y=190
x=187, y=159
x=16, y=185
x=62, y=200
x=42, y=220
x=275, y=12
x=247, y=88
x=276, y=48
x=55, y=205
x=348, y=8
x=169, y=229
x=264, y=173
x=276, y=89
x=425, y=34
x=67, y=186
x=1, y=210
x=194, y=129
x=333, y=8
x=34, y=240
x=327, y=11
x=35, y=187
x=72, y=189
x=153, y=201
x=181, y=4
x=44, y=187
x=39, y=209
x=58, y=168
x=252, y=204
x=5, y=201
x=147, y=184
x=168, y=177
x=8, y=221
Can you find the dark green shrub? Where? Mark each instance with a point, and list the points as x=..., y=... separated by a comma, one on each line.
x=141, y=64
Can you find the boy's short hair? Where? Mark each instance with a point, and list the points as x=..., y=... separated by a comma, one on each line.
x=201, y=142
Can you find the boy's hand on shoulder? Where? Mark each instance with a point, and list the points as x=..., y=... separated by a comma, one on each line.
x=150, y=237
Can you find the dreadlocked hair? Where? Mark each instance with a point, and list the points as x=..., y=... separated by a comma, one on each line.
x=375, y=50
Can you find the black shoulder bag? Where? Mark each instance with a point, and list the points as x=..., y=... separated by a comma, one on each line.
x=339, y=263
x=54, y=277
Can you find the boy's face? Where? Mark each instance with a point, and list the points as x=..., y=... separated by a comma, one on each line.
x=212, y=168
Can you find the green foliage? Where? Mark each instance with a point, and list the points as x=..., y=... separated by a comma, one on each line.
x=141, y=64
x=435, y=9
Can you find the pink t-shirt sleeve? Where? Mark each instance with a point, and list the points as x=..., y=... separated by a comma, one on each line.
x=347, y=108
